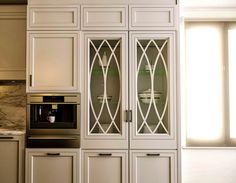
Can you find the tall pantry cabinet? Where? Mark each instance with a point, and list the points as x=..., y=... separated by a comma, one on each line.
x=127, y=78
x=129, y=130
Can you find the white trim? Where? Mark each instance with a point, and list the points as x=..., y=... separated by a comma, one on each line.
x=209, y=13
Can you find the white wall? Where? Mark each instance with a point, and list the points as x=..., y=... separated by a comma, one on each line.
x=209, y=165
x=204, y=3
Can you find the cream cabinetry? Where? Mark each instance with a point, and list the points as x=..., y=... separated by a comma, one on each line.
x=105, y=90
x=153, y=17
x=53, y=18
x=105, y=166
x=52, y=165
x=13, y=42
x=153, y=166
x=12, y=158
x=53, y=48
x=153, y=90
x=52, y=63
x=128, y=89
x=106, y=17
x=130, y=95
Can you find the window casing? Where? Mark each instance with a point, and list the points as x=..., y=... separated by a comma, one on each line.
x=209, y=84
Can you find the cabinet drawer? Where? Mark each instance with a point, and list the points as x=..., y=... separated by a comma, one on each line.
x=53, y=18
x=104, y=17
x=153, y=166
x=152, y=18
x=105, y=166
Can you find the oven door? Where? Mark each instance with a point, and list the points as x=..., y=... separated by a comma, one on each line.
x=53, y=118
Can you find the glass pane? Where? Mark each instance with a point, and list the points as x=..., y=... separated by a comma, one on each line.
x=105, y=86
x=152, y=86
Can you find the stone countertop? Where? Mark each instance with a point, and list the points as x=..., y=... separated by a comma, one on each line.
x=11, y=132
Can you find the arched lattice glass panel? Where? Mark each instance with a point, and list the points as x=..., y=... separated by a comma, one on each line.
x=105, y=86
x=152, y=87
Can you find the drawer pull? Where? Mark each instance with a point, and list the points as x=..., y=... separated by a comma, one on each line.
x=3, y=138
x=53, y=154
x=105, y=154
x=153, y=154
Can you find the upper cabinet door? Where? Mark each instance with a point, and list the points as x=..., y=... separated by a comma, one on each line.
x=153, y=90
x=106, y=81
x=52, y=61
x=155, y=17
x=53, y=17
x=105, y=17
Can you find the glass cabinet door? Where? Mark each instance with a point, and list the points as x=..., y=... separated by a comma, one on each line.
x=106, y=84
x=152, y=88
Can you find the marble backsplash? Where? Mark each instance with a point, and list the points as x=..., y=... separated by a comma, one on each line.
x=13, y=106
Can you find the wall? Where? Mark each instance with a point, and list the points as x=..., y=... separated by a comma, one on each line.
x=12, y=106
x=211, y=165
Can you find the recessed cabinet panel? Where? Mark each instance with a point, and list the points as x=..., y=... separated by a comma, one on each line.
x=152, y=18
x=153, y=90
x=11, y=159
x=104, y=17
x=52, y=165
x=105, y=166
x=13, y=43
x=153, y=166
x=53, y=17
x=52, y=61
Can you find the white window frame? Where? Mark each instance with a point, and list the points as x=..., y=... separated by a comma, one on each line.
x=201, y=14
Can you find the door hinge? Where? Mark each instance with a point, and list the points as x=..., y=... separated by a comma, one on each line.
x=128, y=114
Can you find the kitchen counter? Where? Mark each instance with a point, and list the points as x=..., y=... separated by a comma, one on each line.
x=11, y=132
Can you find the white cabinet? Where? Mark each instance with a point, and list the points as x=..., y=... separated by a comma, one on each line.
x=105, y=166
x=130, y=97
x=53, y=48
x=52, y=61
x=153, y=90
x=106, y=92
x=153, y=17
x=52, y=165
x=53, y=17
x=153, y=166
x=106, y=17
x=11, y=159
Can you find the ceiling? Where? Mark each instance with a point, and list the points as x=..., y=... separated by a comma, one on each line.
x=13, y=2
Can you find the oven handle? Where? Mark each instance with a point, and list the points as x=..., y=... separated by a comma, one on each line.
x=51, y=137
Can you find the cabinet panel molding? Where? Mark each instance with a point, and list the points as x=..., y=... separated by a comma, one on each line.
x=152, y=17
x=104, y=17
x=105, y=166
x=153, y=166
x=52, y=61
x=53, y=18
x=50, y=165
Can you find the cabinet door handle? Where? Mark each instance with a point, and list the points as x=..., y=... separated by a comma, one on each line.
x=30, y=79
x=2, y=138
x=53, y=154
x=105, y=154
x=153, y=154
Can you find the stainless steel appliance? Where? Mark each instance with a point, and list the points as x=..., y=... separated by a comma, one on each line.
x=53, y=120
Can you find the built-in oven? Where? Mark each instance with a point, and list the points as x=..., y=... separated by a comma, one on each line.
x=53, y=119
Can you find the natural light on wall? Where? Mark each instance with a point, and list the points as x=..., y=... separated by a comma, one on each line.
x=232, y=78
x=204, y=82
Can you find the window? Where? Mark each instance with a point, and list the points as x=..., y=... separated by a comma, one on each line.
x=210, y=83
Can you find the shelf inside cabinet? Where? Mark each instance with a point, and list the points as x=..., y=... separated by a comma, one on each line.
x=99, y=72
